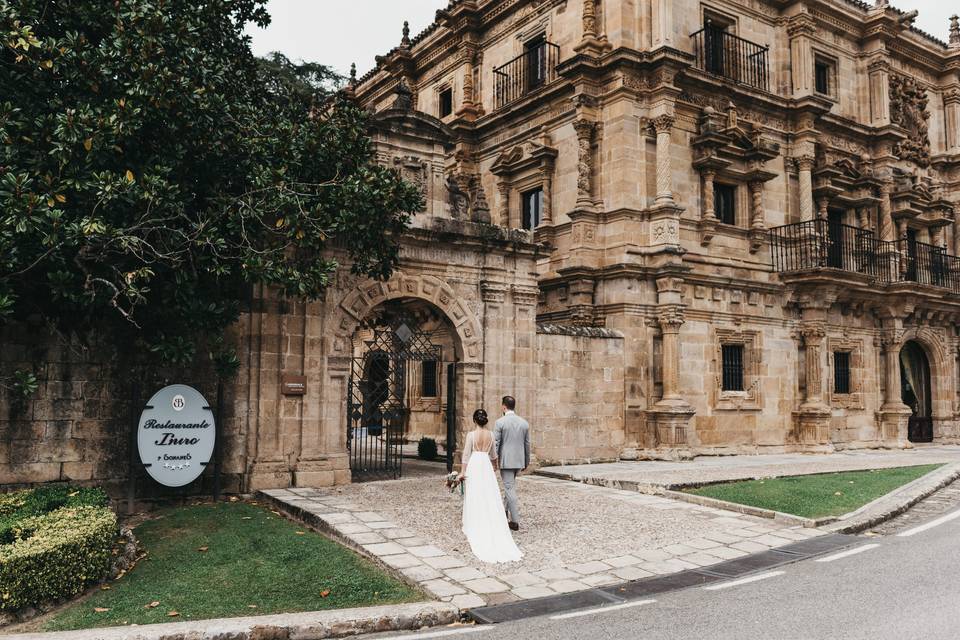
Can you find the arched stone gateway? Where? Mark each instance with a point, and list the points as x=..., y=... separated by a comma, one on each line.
x=424, y=347
x=916, y=388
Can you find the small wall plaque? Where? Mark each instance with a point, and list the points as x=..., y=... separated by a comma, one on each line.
x=293, y=385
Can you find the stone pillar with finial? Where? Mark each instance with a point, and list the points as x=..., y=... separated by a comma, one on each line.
x=955, y=31
x=350, y=91
x=405, y=40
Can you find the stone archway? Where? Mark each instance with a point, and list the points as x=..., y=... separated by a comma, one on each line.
x=926, y=349
x=463, y=371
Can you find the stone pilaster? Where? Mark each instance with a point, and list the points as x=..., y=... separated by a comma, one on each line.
x=758, y=225
x=879, y=84
x=801, y=29
x=812, y=419
x=662, y=23
x=805, y=165
x=951, y=112
x=894, y=415
x=469, y=108
x=670, y=417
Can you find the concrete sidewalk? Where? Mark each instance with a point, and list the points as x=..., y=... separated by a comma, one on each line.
x=656, y=477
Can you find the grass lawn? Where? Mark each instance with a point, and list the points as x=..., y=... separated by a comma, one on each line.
x=816, y=496
x=232, y=559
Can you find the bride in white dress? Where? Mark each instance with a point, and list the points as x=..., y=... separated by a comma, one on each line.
x=484, y=520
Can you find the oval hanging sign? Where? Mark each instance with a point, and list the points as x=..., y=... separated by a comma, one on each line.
x=176, y=435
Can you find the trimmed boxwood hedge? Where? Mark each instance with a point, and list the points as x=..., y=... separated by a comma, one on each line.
x=53, y=555
x=18, y=505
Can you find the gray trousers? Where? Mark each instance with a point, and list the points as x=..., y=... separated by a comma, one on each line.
x=510, y=489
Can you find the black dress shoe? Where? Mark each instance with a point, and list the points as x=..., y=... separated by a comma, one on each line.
x=514, y=526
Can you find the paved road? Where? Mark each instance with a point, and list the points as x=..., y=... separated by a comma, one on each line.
x=901, y=585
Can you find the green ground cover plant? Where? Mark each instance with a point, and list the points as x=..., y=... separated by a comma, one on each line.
x=816, y=496
x=232, y=559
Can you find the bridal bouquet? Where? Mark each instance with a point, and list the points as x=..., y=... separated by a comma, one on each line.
x=455, y=481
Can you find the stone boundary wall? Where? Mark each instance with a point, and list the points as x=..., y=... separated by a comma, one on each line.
x=77, y=426
x=579, y=395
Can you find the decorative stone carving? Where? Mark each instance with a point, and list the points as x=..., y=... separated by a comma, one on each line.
x=908, y=109
x=458, y=198
x=585, y=130
x=404, y=97
x=413, y=170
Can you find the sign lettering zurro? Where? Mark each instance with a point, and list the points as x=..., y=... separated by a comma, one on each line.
x=176, y=435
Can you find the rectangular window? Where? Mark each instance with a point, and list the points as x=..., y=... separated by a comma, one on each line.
x=428, y=379
x=841, y=372
x=732, y=367
x=822, y=77
x=725, y=202
x=532, y=208
x=446, y=102
x=535, y=52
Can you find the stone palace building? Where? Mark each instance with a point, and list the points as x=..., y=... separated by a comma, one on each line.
x=668, y=227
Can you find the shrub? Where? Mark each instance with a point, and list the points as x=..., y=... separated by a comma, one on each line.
x=55, y=555
x=427, y=449
x=18, y=505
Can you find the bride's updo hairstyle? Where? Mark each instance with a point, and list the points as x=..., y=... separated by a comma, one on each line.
x=480, y=417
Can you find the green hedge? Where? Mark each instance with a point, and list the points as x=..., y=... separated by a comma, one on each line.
x=56, y=555
x=19, y=505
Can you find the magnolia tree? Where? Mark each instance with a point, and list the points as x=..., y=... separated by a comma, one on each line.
x=152, y=170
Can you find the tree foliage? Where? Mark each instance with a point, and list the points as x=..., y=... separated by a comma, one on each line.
x=152, y=170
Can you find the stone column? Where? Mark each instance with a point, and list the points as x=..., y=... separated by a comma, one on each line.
x=894, y=415
x=813, y=417
x=585, y=130
x=757, y=221
x=671, y=416
x=468, y=107
x=805, y=165
x=709, y=204
x=503, y=206
x=663, y=125
x=547, y=219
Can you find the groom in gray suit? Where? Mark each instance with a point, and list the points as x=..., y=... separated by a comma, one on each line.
x=511, y=437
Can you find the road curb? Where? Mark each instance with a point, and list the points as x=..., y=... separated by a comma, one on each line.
x=769, y=514
x=314, y=625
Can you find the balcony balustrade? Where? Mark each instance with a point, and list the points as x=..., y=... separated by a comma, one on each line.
x=723, y=54
x=821, y=245
x=533, y=69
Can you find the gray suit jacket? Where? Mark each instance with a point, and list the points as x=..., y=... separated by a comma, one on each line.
x=511, y=437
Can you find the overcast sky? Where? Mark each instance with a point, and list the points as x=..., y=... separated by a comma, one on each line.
x=338, y=32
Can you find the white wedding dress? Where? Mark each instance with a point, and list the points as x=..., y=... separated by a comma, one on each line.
x=484, y=520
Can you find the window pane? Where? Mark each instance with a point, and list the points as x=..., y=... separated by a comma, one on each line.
x=532, y=209
x=428, y=379
x=841, y=372
x=823, y=78
x=446, y=102
x=733, y=367
x=725, y=198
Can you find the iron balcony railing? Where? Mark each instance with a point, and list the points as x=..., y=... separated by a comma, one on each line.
x=815, y=245
x=724, y=54
x=534, y=68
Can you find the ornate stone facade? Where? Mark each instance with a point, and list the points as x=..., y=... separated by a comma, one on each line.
x=661, y=247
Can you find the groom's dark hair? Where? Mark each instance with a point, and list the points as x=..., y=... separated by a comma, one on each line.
x=509, y=403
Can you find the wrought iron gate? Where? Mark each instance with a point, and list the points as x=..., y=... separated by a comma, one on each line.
x=377, y=412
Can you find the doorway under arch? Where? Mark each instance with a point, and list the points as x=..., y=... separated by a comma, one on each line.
x=403, y=387
x=915, y=389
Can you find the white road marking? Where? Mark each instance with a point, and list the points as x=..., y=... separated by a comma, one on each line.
x=929, y=525
x=440, y=634
x=607, y=609
x=848, y=553
x=737, y=583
